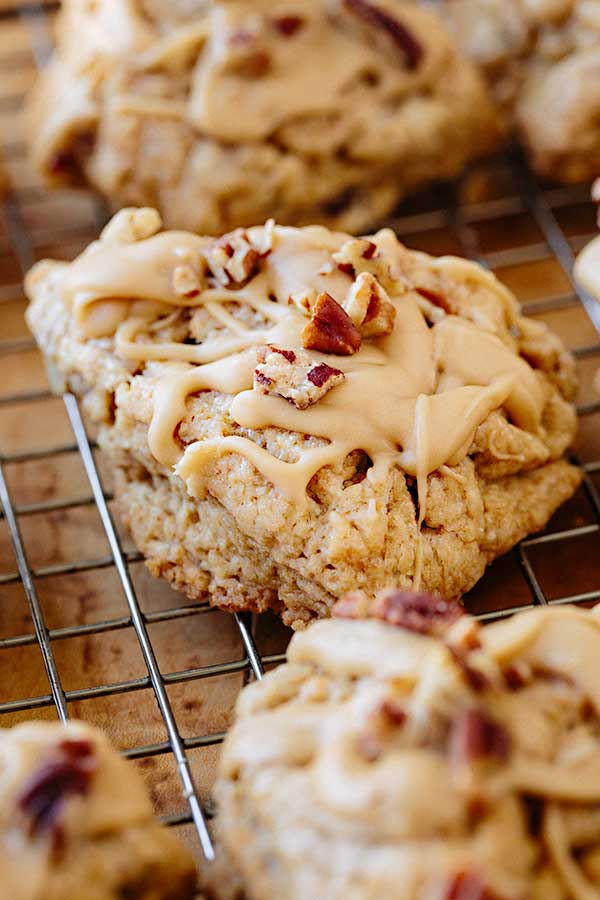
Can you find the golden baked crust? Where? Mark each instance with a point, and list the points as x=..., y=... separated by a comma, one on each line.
x=222, y=114
x=383, y=763
x=293, y=412
x=76, y=822
x=542, y=61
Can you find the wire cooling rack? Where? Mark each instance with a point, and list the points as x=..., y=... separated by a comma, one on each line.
x=498, y=215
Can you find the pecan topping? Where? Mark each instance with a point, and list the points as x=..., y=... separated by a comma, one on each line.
x=330, y=330
x=304, y=300
x=422, y=613
x=369, y=307
x=186, y=281
x=475, y=735
x=294, y=376
x=247, y=56
x=376, y=17
x=287, y=25
x=232, y=259
x=66, y=772
x=474, y=677
x=361, y=255
x=469, y=886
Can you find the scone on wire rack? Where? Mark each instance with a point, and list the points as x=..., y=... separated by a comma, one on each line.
x=76, y=822
x=418, y=756
x=292, y=411
x=224, y=113
x=587, y=266
x=542, y=61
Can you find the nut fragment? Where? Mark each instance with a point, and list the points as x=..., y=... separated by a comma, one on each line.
x=476, y=736
x=131, y=224
x=419, y=612
x=287, y=24
x=232, y=259
x=247, y=55
x=369, y=307
x=304, y=300
x=361, y=255
x=186, y=281
x=376, y=17
x=294, y=375
x=66, y=771
x=330, y=330
x=469, y=886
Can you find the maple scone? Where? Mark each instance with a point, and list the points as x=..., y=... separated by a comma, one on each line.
x=417, y=756
x=76, y=822
x=587, y=266
x=542, y=61
x=222, y=114
x=292, y=411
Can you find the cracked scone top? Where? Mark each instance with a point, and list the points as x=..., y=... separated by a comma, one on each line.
x=293, y=410
x=225, y=113
x=542, y=61
x=426, y=759
x=76, y=822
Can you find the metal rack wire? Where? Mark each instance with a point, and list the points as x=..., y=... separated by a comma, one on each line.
x=462, y=221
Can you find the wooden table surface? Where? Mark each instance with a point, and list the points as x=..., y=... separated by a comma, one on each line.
x=35, y=224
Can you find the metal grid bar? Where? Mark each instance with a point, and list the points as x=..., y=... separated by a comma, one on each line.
x=462, y=221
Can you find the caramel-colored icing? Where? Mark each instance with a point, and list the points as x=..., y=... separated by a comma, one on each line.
x=413, y=398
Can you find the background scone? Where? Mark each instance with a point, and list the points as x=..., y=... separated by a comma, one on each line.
x=542, y=60
x=222, y=114
x=76, y=822
x=292, y=412
x=587, y=267
x=419, y=761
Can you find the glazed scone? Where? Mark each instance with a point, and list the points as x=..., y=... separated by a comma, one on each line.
x=542, y=60
x=291, y=412
x=222, y=114
x=587, y=266
x=76, y=822
x=427, y=759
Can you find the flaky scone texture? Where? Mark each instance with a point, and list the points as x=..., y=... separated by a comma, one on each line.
x=542, y=61
x=76, y=822
x=293, y=412
x=419, y=760
x=222, y=114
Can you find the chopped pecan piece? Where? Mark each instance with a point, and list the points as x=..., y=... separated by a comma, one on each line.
x=475, y=678
x=475, y=736
x=247, y=55
x=187, y=281
x=330, y=330
x=66, y=772
x=361, y=255
x=419, y=612
x=287, y=25
x=304, y=300
x=376, y=17
x=232, y=259
x=469, y=886
x=294, y=375
x=369, y=307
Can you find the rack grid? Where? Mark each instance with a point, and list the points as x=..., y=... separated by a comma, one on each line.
x=547, y=225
